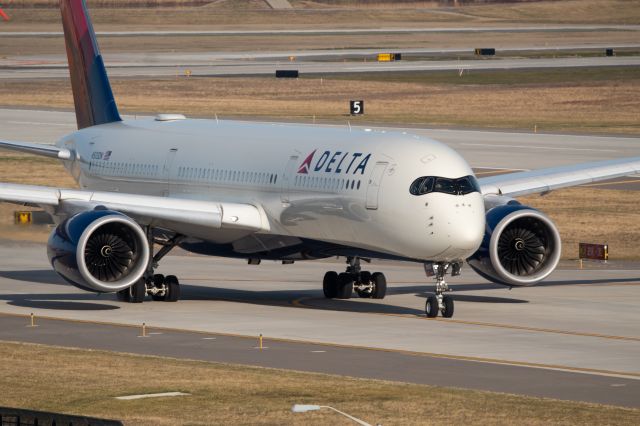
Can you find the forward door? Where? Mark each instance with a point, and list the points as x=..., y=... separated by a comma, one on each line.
x=375, y=181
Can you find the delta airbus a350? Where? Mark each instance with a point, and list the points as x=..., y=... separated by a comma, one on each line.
x=277, y=192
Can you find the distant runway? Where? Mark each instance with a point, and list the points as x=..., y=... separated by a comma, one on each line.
x=244, y=68
x=338, y=31
x=186, y=58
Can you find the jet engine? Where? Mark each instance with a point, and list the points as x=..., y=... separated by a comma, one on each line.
x=100, y=250
x=521, y=246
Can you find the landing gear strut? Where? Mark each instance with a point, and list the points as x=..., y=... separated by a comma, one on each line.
x=158, y=286
x=365, y=284
x=439, y=302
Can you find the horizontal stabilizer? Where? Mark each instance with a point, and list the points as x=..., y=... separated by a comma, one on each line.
x=38, y=149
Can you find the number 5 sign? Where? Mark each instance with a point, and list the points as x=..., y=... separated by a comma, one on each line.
x=356, y=107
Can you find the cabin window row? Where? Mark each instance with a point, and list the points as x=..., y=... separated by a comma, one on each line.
x=221, y=175
x=335, y=184
x=130, y=169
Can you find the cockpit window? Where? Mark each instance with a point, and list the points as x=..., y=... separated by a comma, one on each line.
x=461, y=186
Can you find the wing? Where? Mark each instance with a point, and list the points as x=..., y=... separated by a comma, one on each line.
x=170, y=213
x=545, y=180
x=38, y=149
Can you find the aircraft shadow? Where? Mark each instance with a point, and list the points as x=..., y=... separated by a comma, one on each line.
x=283, y=298
x=38, y=276
x=59, y=302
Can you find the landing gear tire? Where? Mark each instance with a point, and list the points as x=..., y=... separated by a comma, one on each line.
x=158, y=282
x=379, y=285
x=173, y=288
x=432, y=306
x=345, y=286
x=137, y=291
x=447, y=309
x=330, y=285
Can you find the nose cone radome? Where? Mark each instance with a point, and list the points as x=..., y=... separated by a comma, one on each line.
x=466, y=224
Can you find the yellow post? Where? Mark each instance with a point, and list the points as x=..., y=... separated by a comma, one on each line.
x=144, y=330
x=260, y=342
x=33, y=320
x=580, y=263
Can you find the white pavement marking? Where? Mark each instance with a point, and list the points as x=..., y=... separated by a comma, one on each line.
x=151, y=395
x=208, y=338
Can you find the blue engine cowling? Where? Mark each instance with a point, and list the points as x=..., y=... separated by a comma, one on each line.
x=521, y=246
x=100, y=250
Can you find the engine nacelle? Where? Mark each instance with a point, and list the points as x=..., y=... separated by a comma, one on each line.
x=521, y=246
x=100, y=250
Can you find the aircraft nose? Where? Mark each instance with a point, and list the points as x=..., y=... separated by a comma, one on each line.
x=466, y=224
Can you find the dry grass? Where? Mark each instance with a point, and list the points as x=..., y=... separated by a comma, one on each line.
x=32, y=170
x=253, y=13
x=85, y=382
x=593, y=216
x=589, y=106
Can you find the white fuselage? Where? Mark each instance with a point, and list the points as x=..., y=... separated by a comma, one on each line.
x=325, y=184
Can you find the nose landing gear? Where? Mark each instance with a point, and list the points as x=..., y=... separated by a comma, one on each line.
x=366, y=284
x=439, y=302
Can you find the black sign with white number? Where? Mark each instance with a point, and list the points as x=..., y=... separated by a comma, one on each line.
x=356, y=107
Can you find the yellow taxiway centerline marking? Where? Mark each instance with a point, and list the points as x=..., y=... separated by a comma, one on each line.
x=593, y=371
x=299, y=303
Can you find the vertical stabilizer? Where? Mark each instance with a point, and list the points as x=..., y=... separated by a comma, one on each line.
x=91, y=90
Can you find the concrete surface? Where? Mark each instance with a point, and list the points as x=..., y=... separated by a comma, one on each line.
x=328, y=67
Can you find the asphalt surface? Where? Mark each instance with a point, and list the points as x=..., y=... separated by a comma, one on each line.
x=230, y=68
x=331, y=359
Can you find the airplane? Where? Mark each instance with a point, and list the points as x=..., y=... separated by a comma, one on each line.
x=283, y=192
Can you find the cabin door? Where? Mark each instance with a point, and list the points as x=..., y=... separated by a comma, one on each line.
x=375, y=181
x=288, y=177
x=168, y=174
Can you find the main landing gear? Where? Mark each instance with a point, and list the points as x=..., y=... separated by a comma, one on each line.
x=439, y=302
x=159, y=287
x=341, y=286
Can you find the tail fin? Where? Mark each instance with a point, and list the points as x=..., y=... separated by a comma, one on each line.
x=91, y=90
